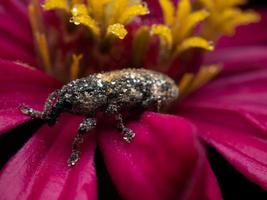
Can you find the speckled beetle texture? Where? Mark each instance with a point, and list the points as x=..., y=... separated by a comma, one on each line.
x=111, y=93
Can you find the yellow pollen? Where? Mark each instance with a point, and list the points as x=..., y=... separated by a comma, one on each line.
x=118, y=30
x=75, y=66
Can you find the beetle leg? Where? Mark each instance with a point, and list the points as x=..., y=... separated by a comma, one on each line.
x=159, y=105
x=127, y=134
x=47, y=111
x=85, y=126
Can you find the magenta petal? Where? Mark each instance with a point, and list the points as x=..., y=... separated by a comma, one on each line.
x=239, y=59
x=164, y=161
x=231, y=114
x=239, y=143
x=204, y=184
x=16, y=8
x=12, y=28
x=16, y=39
x=15, y=52
x=39, y=170
x=21, y=84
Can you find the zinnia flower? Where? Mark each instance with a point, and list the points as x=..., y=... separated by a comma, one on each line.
x=222, y=97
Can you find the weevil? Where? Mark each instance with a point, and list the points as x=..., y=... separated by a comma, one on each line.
x=111, y=92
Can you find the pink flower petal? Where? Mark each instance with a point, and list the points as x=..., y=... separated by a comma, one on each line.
x=14, y=52
x=15, y=32
x=11, y=27
x=239, y=59
x=39, y=170
x=21, y=84
x=244, y=51
x=164, y=161
x=16, y=8
x=232, y=116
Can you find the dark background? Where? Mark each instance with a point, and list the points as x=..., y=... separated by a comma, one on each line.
x=257, y=3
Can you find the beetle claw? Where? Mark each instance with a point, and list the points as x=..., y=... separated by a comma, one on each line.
x=73, y=159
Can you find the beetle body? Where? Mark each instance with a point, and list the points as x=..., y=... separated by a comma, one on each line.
x=110, y=92
x=124, y=88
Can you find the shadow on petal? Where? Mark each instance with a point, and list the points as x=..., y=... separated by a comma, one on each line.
x=105, y=186
x=232, y=183
x=12, y=141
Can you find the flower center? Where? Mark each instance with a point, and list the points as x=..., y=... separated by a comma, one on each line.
x=79, y=37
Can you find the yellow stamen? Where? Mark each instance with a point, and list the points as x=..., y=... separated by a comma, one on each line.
x=187, y=25
x=238, y=18
x=117, y=30
x=191, y=22
x=102, y=17
x=185, y=83
x=225, y=16
x=183, y=10
x=56, y=4
x=115, y=8
x=74, y=68
x=96, y=7
x=80, y=16
x=205, y=74
x=208, y=3
x=132, y=11
x=229, y=3
x=40, y=38
x=123, y=11
x=79, y=10
x=190, y=82
x=177, y=32
x=194, y=42
x=73, y=2
x=43, y=50
x=140, y=45
x=164, y=34
x=33, y=18
x=168, y=11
